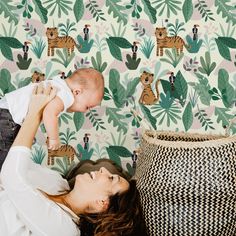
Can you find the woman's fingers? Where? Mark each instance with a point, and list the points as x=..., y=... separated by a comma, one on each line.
x=40, y=88
x=53, y=92
x=48, y=89
x=35, y=89
x=44, y=94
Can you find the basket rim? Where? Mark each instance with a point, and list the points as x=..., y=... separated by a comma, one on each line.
x=214, y=140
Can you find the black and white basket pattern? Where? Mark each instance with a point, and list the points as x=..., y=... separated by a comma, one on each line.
x=187, y=184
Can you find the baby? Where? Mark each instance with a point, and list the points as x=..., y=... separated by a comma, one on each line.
x=82, y=90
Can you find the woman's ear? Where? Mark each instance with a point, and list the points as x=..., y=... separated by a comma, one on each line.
x=104, y=204
x=98, y=206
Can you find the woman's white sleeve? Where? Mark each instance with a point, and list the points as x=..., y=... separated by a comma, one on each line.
x=40, y=215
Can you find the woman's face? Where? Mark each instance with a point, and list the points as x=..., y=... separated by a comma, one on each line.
x=102, y=181
x=99, y=185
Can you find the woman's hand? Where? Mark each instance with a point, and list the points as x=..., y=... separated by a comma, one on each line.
x=40, y=98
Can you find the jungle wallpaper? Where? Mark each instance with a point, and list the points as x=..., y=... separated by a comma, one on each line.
x=167, y=64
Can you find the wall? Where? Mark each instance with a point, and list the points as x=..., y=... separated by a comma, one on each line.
x=201, y=99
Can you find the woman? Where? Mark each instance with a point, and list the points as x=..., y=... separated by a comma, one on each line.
x=89, y=224
x=28, y=209
x=86, y=166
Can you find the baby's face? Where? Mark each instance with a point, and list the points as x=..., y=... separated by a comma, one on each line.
x=86, y=100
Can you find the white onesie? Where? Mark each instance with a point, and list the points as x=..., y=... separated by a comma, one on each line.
x=17, y=101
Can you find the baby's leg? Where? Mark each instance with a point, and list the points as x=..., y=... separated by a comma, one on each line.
x=8, y=132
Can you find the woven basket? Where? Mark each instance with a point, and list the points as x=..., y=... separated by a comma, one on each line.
x=187, y=184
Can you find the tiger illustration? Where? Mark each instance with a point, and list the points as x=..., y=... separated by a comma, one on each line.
x=55, y=41
x=37, y=77
x=147, y=96
x=163, y=41
x=63, y=151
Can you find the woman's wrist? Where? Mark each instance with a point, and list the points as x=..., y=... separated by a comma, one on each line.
x=53, y=139
x=33, y=117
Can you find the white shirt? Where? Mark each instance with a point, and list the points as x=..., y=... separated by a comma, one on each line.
x=24, y=210
x=18, y=101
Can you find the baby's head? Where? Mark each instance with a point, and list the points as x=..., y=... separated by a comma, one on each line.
x=87, y=86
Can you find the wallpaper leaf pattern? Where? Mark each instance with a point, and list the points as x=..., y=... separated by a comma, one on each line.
x=194, y=80
x=187, y=9
x=8, y=9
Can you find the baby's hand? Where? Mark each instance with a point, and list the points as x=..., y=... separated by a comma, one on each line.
x=53, y=144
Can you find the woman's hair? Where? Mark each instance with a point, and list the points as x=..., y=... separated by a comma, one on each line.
x=124, y=214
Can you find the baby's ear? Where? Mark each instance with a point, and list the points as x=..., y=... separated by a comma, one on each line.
x=77, y=91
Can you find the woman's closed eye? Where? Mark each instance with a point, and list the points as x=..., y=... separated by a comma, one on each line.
x=111, y=178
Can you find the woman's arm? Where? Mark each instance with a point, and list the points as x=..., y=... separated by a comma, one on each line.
x=39, y=215
x=40, y=97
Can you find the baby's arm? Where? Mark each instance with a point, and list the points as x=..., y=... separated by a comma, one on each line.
x=50, y=120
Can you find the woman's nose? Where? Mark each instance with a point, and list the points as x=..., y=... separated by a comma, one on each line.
x=104, y=170
x=101, y=169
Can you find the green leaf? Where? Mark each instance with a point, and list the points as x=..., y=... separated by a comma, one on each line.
x=30, y=8
x=41, y=11
x=114, y=49
x=99, y=57
x=187, y=9
x=11, y=42
x=103, y=67
x=202, y=89
x=150, y=11
x=167, y=88
x=116, y=9
x=118, y=91
x=6, y=51
x=113, y=115
x=208, y=58
x=201, y=70
x=188, y=117
x=223, y=50
x=222, y=116
x=181, y=87
x=131, y=86
x=223, y=77
x=120, y=151
x=149, y=116
x=229, y=42
x=203, y=63
x=121, y=42
x=9, y=11
x=226, y=10
x=94, y=63
x=5, y=81
x=113, y=156
x=215, y=98
x=24, y=82
x=212, y=66
x=78, y=119
x=225, y=88
x=215, y=90
x=79, y=10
